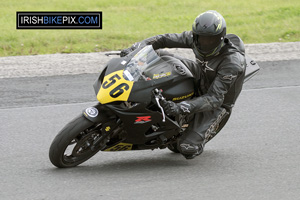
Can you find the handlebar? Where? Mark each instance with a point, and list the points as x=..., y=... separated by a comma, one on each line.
x=158, y=96
x=113, y=53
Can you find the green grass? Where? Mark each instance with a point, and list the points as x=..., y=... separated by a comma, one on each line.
x=125, y=22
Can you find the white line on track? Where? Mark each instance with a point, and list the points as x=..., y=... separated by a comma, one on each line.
x=272, y=88
x=95, y=102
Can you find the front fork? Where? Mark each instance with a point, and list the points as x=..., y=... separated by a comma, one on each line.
x=99, y=114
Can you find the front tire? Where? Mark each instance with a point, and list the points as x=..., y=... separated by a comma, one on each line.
x=72, y=145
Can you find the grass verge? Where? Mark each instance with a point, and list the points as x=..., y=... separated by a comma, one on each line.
x=125, y=22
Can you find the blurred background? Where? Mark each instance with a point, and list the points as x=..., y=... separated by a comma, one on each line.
x=125, y=22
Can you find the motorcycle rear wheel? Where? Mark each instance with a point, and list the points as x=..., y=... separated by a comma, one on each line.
x=173, y=147
x=72, y=145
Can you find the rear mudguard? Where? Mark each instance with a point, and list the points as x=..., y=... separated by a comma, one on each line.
x=97, y=113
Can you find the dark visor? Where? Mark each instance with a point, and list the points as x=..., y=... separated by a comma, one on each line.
x=207, y=43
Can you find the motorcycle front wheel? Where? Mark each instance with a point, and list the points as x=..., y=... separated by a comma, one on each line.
x=74, y=143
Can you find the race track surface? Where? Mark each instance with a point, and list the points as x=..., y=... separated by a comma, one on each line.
x=256, y=156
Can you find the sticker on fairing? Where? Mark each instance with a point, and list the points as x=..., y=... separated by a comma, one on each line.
x=120, y=147
x=158, y=76
x=114, y=88
x=142, y=120
x=183, y=97
x=91, y=112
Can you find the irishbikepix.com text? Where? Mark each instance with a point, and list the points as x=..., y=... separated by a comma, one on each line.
x=59, y=20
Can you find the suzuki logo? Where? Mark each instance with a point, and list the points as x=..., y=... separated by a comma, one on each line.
x=143, y=119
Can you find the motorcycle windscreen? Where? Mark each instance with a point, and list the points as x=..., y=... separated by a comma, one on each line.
x=141, y=63
x=117, y=85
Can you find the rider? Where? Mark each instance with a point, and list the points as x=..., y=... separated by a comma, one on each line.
x=219, y=70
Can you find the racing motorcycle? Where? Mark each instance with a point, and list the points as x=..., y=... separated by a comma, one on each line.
x=129, y=115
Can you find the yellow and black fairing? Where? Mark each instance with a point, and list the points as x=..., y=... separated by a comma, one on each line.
x=132, y=79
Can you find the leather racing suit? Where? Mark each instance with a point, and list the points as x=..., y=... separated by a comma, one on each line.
x=219, y=82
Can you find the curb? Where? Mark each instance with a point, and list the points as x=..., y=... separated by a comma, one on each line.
x=82, y=63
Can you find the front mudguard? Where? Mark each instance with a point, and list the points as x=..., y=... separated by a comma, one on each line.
x=98, y=113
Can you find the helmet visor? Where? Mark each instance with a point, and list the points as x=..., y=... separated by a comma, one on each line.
x=208, y=43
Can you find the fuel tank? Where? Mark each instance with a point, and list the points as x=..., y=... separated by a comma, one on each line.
x=182, y=87
x=171, y=76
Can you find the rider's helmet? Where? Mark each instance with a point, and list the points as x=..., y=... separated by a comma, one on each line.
x=209, y=29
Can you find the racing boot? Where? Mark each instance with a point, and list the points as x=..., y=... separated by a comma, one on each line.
x=191, y=144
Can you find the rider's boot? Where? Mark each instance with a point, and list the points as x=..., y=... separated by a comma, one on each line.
x=191, y=144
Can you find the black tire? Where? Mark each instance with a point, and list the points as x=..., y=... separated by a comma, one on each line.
x=78, y=133
x=173, y=147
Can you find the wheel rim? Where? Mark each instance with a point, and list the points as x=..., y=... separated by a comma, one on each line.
x=82, y=146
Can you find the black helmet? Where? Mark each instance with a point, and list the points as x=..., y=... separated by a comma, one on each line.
x=209, y=29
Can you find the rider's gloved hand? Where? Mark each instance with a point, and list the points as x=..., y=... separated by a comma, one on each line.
x=174, y=109
x=127, y=51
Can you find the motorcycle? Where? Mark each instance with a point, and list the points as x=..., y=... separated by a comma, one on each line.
x=129, y=115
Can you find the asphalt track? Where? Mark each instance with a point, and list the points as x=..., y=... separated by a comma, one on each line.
x=256, y=156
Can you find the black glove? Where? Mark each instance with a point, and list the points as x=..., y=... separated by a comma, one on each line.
x=127, y=51
x=174, y=109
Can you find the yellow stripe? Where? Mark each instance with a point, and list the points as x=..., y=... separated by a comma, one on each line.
x=120, y=147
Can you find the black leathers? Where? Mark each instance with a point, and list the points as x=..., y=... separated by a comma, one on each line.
x=220, y=77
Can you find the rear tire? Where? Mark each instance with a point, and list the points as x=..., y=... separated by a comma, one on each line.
x=173, y=147
x=78, y=135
